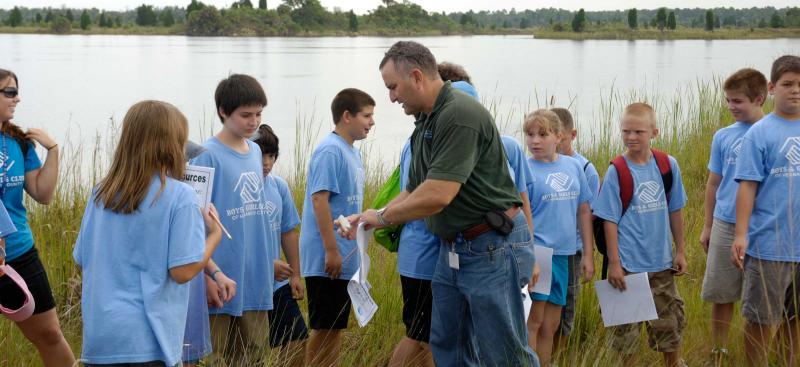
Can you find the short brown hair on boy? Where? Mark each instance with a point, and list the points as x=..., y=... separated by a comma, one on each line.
x=782, y=65
x=453, y=72
x=750, y=82
x=641, y=110
x=351, y=100
x=567, y=124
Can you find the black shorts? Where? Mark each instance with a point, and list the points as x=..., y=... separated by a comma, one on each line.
x=417, y=307
x=286, y=323
x=30, y=268
x=328, y=303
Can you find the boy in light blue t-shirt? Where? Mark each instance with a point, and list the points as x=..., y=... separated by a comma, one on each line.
x=639, y=238
x=335, y=187
x=745, y=93
x=239, y=329
x=767, y=235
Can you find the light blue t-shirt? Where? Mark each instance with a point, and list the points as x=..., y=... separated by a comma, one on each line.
x=645, y=239
x=197, y=335
x=282, y=214
x=770, y=155
x=593, y=179
x=335, y=166
x=238, y=194
x=133, y=311
x=725, y=148
x=13, y=167
x=419, y=248
x=517, y=163
x=559, y=190
x=6, y=226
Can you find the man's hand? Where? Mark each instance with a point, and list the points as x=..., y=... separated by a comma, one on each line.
x=616, y=276
x=738, y=252
x=333, y=263
x=705, y=237
x=212, y=293
x=350, y=229
x=282, y=270
x=534, y=277
x=227, y=287
x=587, y=267
x=298, y=289
x=679, y=264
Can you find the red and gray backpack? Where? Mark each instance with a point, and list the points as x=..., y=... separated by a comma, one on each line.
x=626, y=191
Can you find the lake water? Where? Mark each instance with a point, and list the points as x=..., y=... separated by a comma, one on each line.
x=73, y=85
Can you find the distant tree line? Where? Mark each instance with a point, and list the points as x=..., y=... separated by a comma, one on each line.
x=297, y=17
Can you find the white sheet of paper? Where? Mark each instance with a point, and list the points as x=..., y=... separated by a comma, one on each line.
x=201, y=179
x=526, y=302
x=544, y=257
x=358, y=287
x=635, y=304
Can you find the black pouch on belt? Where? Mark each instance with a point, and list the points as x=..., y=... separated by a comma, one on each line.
x=499, y=221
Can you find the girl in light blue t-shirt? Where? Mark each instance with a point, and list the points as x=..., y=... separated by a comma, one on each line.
x=559, y=203
x=142, y=239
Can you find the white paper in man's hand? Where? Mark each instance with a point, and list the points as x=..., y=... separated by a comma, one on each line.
x=526, y=302
x=201, y=179
x=635, y=304
x=544, y=257
x=358, y=287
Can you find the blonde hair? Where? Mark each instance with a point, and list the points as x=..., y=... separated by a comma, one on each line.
x=546, y=120
x=641, y=110
x=152, y=141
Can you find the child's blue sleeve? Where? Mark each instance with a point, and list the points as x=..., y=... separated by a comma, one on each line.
x=186, y=234
x=323, y=173
x=289, y=218
x=677, y=196
x=608, y=205
x=6, y=225
x=593, y=179
x=585, y=193
x=750, y=165
x=715, y=160
x=32, y=161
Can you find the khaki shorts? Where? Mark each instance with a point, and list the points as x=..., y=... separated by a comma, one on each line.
x=770, y=291
x=722, y=282
x=239, y=341
x=663, y=334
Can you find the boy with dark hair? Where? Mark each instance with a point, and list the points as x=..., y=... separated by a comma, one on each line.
x=640, y=231
x=745, y=93
x=239, y=329
x=335, y=187
x=569, y=133
x=766, y=245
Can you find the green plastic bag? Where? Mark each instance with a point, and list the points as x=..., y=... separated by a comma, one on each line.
x=388, y=237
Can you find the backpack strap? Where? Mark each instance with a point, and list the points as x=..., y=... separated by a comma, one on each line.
x=585, y=166
x=662, y=160
x=625, y=182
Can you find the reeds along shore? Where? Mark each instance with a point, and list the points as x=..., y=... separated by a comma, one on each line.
x=688, y=118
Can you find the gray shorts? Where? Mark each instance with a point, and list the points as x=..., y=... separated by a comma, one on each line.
x=770, y=291
x=722, y=282
x=573, y=288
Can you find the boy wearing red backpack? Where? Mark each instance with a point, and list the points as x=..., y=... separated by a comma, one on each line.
x=640, y=201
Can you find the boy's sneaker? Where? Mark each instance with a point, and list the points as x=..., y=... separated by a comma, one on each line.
x=719, y=356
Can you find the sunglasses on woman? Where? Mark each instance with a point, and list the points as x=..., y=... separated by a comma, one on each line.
x=10, y=92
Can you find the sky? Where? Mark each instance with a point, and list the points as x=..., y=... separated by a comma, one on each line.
x=362, y=6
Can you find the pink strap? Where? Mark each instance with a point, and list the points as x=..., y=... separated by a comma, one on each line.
x=24, y=312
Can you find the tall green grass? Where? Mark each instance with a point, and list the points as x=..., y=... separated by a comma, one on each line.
x=687, y=119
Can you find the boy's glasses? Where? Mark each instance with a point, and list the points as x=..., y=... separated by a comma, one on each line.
x=10, y=92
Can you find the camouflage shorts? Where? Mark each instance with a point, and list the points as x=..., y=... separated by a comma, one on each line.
x=663, y=334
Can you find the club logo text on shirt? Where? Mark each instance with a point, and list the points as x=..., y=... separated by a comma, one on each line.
x=649, y=194
x=736, y=149
x=5, y=167
x=249, y=187
x=559, y=181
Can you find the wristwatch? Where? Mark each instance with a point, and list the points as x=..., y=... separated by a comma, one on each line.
x=382, y=221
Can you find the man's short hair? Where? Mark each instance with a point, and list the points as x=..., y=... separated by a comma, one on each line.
x=351, y=100
x=408, y=55
x=238, y=90
x=453, y=72
x=782, y=65
x=567, y=124
x=750, y=82
x=641, y=110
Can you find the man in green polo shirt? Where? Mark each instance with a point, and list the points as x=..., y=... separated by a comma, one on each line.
x=459, y=182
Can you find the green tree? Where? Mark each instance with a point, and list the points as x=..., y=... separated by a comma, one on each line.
x=353, y=20
x=69, y=16
x=661, y=19
x=262, y=4
x=579, y=21
x=118, y=21
x=633, y=19
x=146, y=16
x=60, y=25
x=717, y=23
x=776, y=21
x=524, y=23
x=792, y=18
x=166, y=18
x=506, y=24
x=86, y=21
x=246, y=4
x=710, y=20
x=194, y=6
x=101, y=20
x=48, y=17
x=38, y=18
x=672, y=23
x=204, y=22
x=762, y=23
x=15, y=18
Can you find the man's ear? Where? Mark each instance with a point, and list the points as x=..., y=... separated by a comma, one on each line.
x=221, y=113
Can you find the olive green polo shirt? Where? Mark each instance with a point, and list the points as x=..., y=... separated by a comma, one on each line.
x=459, y=142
